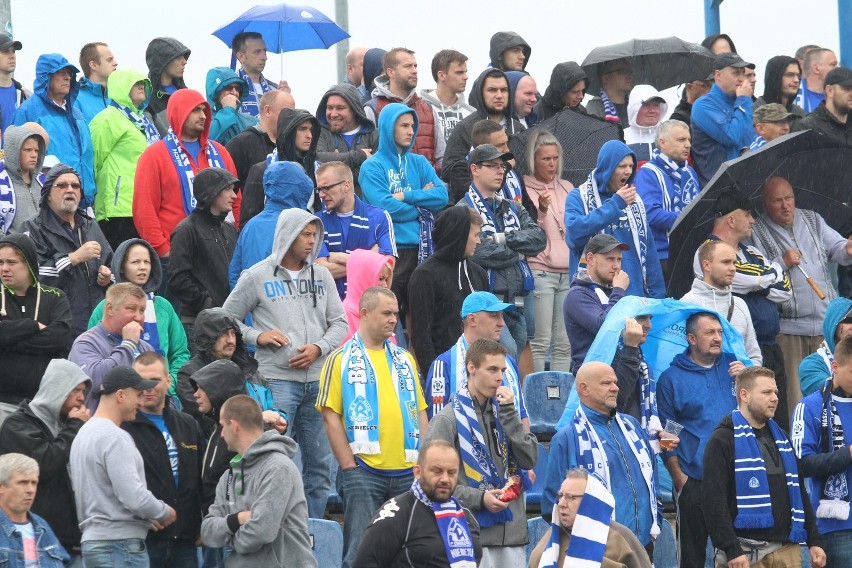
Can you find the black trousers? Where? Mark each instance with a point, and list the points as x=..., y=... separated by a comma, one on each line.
x=406, y=262
x=691, y=530
x=117, y=230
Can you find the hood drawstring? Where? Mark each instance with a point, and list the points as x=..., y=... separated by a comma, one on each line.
x=3, y=312
x=466, y=275
x=313, y=286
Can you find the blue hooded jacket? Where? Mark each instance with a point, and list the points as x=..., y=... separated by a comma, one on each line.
x=514, y=78
x=388, y=171
x=721, y=128
x=286, y=186
x=813, y=370
x=698, y=398
x=228, y=121
x=610, y=218
x=69, y=135
x=91, y=99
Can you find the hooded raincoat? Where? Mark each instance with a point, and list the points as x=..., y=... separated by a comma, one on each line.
x=159, y=53
x=815, y=368
x=563, y=78
x=500, y=42
x=27, y=195
x=334, y=146
x=227, y=121
x=91, y=99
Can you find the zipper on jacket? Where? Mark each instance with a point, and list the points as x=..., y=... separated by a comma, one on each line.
x=117, y=188
x=629, y=476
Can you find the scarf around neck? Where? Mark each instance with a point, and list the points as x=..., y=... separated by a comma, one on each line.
x=685, y=182
x=251, y=104
x=141, y=121
x=834, y=503
x=453, y=528
x=183, y=164
x=610, y=111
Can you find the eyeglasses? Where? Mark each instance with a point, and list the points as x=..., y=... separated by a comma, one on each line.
x=327, y=188
x=503, y=167
x=567, y=496
x=66, y=184
x=232, y=87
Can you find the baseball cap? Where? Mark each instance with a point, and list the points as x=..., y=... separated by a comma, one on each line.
x=730, y=60
x=772, y=112
x=484, y=302
x=119, y=378
x=838, y=76
x=602, y=244
x=6, y=42
x=730, y=201
x=485, y=152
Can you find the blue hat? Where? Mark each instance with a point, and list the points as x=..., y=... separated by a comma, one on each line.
x=484, y=302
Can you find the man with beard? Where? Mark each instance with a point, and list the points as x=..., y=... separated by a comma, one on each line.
x=781, y=83
x=831, y=118
x=426, y=526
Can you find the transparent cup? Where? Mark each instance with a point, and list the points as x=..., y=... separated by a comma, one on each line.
x=669, y=434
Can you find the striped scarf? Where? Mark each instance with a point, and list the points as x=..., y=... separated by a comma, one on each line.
x=754, y=503
x=453, y=528
x=650, y=418
x=8, y=204
x=183, y=164
x=589, y=533
x=685, y=183
x=593, y=458
x=361, y=398
x=150, y=334
x=250, y=103
x=825, y=352
x=610, y=112
x=834, y=503
x=142, y=123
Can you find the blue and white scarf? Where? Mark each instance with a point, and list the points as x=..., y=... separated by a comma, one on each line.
x=650, y=418
x=610, y=111
x=8, y=203
x=589, y=533
x=824, y=351
x=141, y=121
x=509, y=223
x=183, y=163
x=834, y=502
x=149, y=327
x=754, y=503
x=427, y=223
x=250, y=103
x=758, y=143
x=512, y=188
x=592, y=456
x=685, y=182
x=361, y=398
x=479, y=466
x=453, y=528
x=636, y=217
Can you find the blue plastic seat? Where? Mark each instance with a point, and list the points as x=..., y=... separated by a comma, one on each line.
x=537, y=528
x=326, y=542
x=545, y=395
x=540, y=469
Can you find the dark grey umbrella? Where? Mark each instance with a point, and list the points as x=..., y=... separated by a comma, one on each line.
x=581, y=137
x=818, y=168
x=661, y=63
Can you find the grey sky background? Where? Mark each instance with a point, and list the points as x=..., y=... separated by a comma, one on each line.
x=557, y=30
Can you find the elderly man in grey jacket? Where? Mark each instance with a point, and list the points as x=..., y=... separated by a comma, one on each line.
x=485, y=427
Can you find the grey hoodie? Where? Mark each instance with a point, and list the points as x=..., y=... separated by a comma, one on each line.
x=27, y=196
x=448, y=115
x=60, y=378
x=267, y=483
x=719, y=301
x=307, y=310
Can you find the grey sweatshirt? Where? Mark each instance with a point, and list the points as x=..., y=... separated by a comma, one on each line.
x=306, y=309
x=27, y=195
x=267, y=483
x=108, y=476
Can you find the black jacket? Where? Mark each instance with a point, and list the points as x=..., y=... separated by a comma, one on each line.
x=80, y=283
x=25, y=351
x=247, y=148
x=25, y=433
x=184, y=498
x=683, y=110
x=627, y=365
x=202, y=247
x=159, y=53
x=288, y=121
x=563, y=78
x=823, y=122
x=773, y=76
x=439, y=286
x=719, y=495
x=410, y=538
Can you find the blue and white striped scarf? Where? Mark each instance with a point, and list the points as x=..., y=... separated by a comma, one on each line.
x=685, y=182
x=834, y=501
x=142, y=123
x=8, y=204
x=452, y=526
x=150, y=334
x=592, y=457
x=427, y=223
x=650, y=418
x=589, y=533
x=610, y=111
x=250, y=103
x=361, y=398
x=183, y=164
x=754, y=503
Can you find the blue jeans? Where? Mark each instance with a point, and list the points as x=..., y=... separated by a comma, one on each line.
x=516, y=323
x=128, y=553
x=177, y=553
x=363, y=493
x=838, y=549
x=307, y=429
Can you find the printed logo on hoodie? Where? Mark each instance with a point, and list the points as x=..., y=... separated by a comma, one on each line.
x=396, y=180
x=280, y=290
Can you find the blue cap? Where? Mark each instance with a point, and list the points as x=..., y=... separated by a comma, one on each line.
x=484, y=302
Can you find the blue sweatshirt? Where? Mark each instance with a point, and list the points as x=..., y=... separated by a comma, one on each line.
x=584, y=311
x=91, y=99
x=813, y=370
x=388, y=171
x=721, y=128
x=610, y=218
x=698, y=398
x=628, y=485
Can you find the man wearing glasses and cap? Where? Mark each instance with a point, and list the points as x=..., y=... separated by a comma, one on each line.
x=770, y=121
x=12, y=93
x=509, y=235
x=721, y=119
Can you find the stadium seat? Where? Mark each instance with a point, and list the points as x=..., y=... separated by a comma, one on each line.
x=326, y=542
x=545, y=395
x=534, y=494
x=537, y=527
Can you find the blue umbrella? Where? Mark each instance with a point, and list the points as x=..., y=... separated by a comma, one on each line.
x=285, y=27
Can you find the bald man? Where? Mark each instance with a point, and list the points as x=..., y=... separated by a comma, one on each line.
x=355, y=68
x=628, y=469
x=799, y=238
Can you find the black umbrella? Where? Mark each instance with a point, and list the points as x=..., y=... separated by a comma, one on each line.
x=818, y=168
x=581, y=137
x=661, y=63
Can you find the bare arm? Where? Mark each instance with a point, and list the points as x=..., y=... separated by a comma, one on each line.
x=337, y=437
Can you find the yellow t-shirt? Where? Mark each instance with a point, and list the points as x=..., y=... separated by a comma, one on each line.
x=391, y=428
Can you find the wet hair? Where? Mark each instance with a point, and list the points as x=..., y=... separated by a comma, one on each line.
x=692, y=321
x=475, y=219
x=481, y=348
x=370, y=297
x=238, y=44
x=748, y=376
x=243, y=409
x=482, y=131
x=12, y=463
x=843, y=351
x=542, y=137
x=118, y=293
x=444, y=58
x=433, y=443
x=391, y=58
x=88, y=53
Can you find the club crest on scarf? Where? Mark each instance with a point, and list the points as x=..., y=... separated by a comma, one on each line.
x=457, y=535
x=360, y=410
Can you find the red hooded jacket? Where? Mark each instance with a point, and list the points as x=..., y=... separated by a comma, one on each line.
x=157, y=198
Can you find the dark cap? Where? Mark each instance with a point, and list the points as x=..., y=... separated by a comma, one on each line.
x=602, y=244
x=838, y=76
x=485, y=152
x=730, y=201
x=119, y=378
x=6, y=42
x=730, y=60
x=771, y=112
